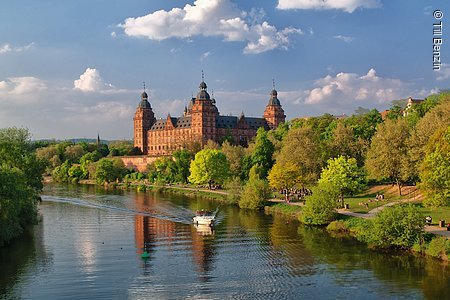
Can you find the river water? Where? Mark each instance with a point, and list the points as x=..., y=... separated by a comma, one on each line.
x=90, y=241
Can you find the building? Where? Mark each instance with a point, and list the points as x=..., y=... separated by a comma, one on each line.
x=410, y=104
x=200, y=122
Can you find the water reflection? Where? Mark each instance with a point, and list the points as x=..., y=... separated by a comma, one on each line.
x=96, y=253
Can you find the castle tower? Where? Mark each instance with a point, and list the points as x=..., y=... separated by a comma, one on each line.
x=274, y=113
x=204, y=113
x=143, y=119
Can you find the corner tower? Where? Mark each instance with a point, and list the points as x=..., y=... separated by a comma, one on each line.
x=204, y=114
x=274, y=113
x=143, y=119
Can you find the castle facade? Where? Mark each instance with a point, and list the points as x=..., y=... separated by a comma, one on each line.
x=200, y=122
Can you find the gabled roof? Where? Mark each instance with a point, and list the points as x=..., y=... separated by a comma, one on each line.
x=181, y=122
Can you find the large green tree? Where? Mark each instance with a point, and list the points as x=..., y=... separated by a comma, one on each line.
x=301, y=147
x=109, y=170
x=435, y=119
x=209, y=166
x=387, y=157
x=342, y=176
x=435, y=169
x=284, y=176
x=263, y=152
x=20, y=182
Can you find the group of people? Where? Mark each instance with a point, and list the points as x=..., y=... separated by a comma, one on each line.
x=298, y=194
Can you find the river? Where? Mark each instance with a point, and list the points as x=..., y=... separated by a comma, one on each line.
x=89, y=245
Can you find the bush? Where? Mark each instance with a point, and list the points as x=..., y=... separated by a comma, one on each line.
x=319, y=208
x=400, y=226
x=256, y=191
x=234, y=188
x=439, y=247
x=337, y=226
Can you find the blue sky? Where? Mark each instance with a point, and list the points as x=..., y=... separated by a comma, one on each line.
x=74, y=68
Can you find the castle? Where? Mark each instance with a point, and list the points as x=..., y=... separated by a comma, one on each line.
x=200, y=122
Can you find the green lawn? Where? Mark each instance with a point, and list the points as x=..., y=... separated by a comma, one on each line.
x=437, y=213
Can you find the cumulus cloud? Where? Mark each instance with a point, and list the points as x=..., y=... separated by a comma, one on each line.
x=22, y=85
x=211, y=18
x=7, y=48
x=91, y=81
x=105, y=111
x=444, y=72
x=347, y=88
x=345, y=5
x=347, y=39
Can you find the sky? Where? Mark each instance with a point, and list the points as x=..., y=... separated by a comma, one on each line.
x=75, y=68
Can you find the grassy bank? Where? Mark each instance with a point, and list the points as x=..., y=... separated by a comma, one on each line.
x=364, y=231
x=287, y=210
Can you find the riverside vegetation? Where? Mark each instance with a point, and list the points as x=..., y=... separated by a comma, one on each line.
x=335, y=158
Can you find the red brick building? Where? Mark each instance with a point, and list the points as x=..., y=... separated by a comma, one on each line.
x=200, y=122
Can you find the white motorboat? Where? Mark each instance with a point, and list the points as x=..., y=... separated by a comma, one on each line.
x=204, y=217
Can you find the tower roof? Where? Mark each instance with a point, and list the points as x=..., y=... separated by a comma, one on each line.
x=274, y=98
x=144, y=101
x=203, y=94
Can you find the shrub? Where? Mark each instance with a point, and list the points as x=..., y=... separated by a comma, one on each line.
x=439, y=247
x=337, y=226
x=256, y=191
x=319, y=208
x=400, y=226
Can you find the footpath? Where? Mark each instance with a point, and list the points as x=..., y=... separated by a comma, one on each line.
x=428, y=228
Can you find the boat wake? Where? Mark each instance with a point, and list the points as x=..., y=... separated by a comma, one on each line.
x=151, y=213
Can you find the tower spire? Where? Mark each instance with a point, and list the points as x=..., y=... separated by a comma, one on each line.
x=203, y=76
x=143, y=83
x=273, y=83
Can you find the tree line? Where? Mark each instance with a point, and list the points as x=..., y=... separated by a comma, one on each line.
x=334, y=156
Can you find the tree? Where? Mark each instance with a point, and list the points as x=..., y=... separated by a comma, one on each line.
x=435, y=169
x=437, y=118
x=319, y=208
x=284, y=176
x=120, y=148
x=342, y=176
x=302, y=148
x=235, y=156
x=73, y=153
x=256, y=191
x=387, y=156
x=343, y=142
x=263, y=152
x=182, y=161
x=365, y=125
x=209, y=165
x=20, y=181
x=109, y=170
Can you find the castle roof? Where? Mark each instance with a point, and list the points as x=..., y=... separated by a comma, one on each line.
x=181, y=122
x=144, y=101
x=274, y=98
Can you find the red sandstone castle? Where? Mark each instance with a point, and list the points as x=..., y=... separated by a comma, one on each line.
x=200, y=122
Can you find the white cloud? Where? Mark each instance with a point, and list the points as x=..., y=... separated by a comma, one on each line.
x=21, y=86
x=211, y=18
x=7, y=48
x=113, y=34
x=347, y=39
x=104, y=111
x=444, y=72
x=345, y=5
x=349, y=88
x=205, y=55
x=91, y=81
